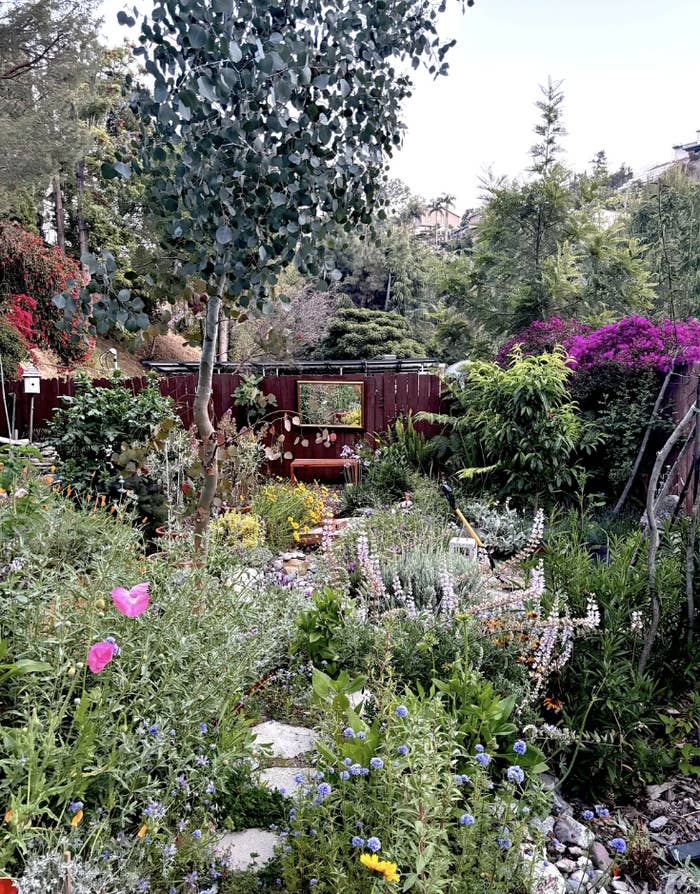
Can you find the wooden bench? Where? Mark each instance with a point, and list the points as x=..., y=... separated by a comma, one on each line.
x=329, y=463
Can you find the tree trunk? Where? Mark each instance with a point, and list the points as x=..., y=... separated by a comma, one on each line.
x=661, y=458
x=59, y=213
x=223, y=337
x=645, y=440
x=82, y=226
x=387, y=300
x=207, y=433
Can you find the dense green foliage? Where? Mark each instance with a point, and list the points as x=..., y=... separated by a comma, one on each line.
x=13, y=350
x=366, y=334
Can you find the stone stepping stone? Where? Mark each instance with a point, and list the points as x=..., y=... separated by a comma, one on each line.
x=281, y=779
x=251, y=847
x=285, y=741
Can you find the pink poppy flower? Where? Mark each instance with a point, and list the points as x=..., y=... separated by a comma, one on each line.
x=99, y=656
x=131, y=603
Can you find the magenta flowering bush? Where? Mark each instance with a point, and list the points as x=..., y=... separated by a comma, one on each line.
x=633, y=342
x=541, y=337
x=637, y=343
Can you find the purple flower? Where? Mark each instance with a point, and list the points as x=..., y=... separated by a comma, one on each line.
x=324, y=789
x=402, y=750
x=154, y=729
x=356, y=770
x=483, y=759
x=587, y=814
x=75, y=806
x=601, y=811
x=344, y=775
x=348, y=733
x=479, y=749
x=154, y=810
x=376, y=763
x=374, y=844
x=466, y=819
x=516, y=774
x=520, y=747
x=197, y=833
x=203, y=728
x=619, y=845
x=356, y=841
x=402, y=711
x=347, y=761
x=362, y=734
x=202, y=760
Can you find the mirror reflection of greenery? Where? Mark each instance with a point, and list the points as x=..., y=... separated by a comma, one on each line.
x=330, y=403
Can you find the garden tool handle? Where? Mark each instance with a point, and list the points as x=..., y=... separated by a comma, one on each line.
x=468, y=528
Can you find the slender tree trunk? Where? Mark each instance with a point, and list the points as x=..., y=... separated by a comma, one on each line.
x=205, y=428
x=223, y=337
x=59, y=213
x=645, y=440
x=387, y=300
x=82, y=225
x=661, y=458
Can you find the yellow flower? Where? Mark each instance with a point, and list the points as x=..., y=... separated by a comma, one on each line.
x=383, y=867
x=76, y=819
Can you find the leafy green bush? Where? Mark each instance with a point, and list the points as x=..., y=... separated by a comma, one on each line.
x=317, y=629
x=386, y=477
x=452, y=830
x=245, y=803
x=13, y=350
x=615, y=709
x=520, y=425
x=94, y=431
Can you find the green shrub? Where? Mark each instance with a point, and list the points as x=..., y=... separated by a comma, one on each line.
x=13, y=350
x=614, y=708
x=386, y=477
x=518, y=427
x=359, y=333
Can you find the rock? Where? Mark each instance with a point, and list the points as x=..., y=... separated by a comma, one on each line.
x=663, y=510
x=619, y=886
x=545, y=827
x=548, y=782
x=571, y=831
x=566, y=866
x=576, y=882
x=463, y=545
x=600, y=856
x=282, y=778
x=560, y=807
x=545, y=877
x=658, y=823
x=248, y=848
x=285, y=741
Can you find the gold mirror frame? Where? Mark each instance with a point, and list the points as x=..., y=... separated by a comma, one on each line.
x=360, y=390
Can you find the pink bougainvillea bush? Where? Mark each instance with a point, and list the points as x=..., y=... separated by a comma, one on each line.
x=637, y=343
x=633, y=342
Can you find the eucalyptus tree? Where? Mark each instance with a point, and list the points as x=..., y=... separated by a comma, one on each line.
x=268, y=123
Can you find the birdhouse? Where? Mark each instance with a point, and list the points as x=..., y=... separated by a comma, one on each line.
x=31, y=380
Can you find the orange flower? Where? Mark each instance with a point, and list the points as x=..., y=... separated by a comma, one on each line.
x=76, y=819
x=142, y=831
x=8, y=816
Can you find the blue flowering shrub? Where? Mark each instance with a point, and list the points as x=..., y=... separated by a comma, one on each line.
x=398, y=796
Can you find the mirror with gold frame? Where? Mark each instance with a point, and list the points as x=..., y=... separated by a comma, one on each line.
x=331, y=404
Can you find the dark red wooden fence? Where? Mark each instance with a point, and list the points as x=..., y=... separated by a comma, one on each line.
x=386, y=396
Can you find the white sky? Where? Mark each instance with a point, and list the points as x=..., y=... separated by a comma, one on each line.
x=631, y=72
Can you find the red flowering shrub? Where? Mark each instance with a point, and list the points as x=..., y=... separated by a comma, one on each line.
x=31, y=269
x=20, y=314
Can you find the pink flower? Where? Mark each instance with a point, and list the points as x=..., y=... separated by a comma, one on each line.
x=131, y=603
x=99, y=656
